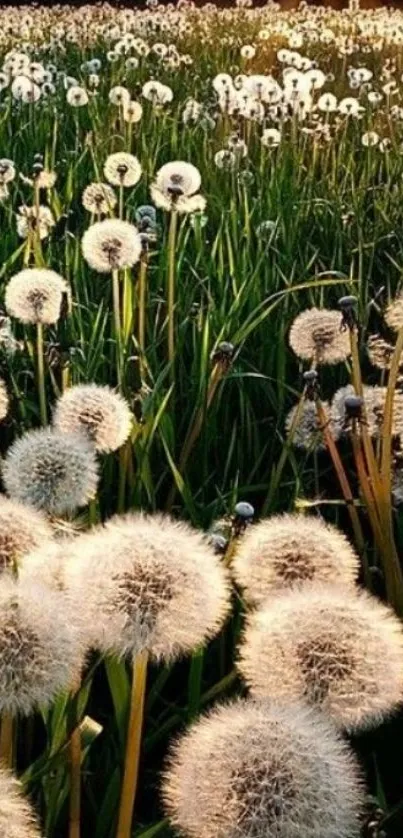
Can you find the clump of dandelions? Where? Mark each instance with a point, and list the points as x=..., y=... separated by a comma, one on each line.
x=317, y=335
x=253, y=769
x=4, y=400
x=55, y=472
x=339, y=650
x=22, y=529
x=122, y=169
x=156, y=585
x=287, y=551
x=35, y=295
x=17, y=818
x=40, y=650
x=97, y=411
x=111, y=244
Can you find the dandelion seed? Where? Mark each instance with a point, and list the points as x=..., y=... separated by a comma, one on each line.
x=225, y=159
x=317, y=335
x=17, y=818
x=271, y=138
x=7, y=171
x=343, y=652
x=77, y=96
x=132, y=112
x=97, y=411
x=327, y=103
x=35, y=295
x=159, y=94
x=248, y=52
x=308, y=433
x=178, y=178
x=155, y=584
x=250, y=769
x=380, y=352
x=370, y=138
x=25, y=90
x=110, y=245
x=50, y=471
x=374, y=401
x=287, y=551
x=22, y=529
x=34, y=220
x=99, y=198
x=119, y=96
x=122, y=169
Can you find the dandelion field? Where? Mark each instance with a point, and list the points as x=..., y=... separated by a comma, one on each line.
x=201, y=420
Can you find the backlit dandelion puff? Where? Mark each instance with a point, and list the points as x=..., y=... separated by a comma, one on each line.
x=317, y=335
x=156, y=584
x=35, y=295
x=4, y=400
x=338, y=650
x=55, y=472
x=122, y=169
x=35, y=220
x=40, y=650
x=374, y=402
x=380, y=352
x=287, y=551
x=111, y=244
x=17, y=817
x=97, y=411
x=253, y=769
x=22, y=529
x=99, y=198
x=394, y=314
x=178, y=178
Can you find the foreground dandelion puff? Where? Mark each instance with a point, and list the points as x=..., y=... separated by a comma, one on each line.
x=111, y=244
x=156, y=585
x=17, y=818
x=316, y=335
x=35, y=295
x=122, y=169
x=40, y=650
x=55, y=472
x=22, y=529
x=103, y=415
x=4, y=400
x=339, y=650
x=289, y=550
x=256, y=769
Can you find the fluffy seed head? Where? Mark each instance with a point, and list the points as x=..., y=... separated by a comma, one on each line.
x=35, y=295
x=339, y=650
x=155, y=583
x=22, y=529
x=287, y=551
x=374, y=402
x=316, y=335
x=122, y=169
x=51, y=471
x=380, y=352
x=394, y=314
x=183, y=204
x=178, y=178
x=97, y=411
x=111, y=244
x=249, y=770
x=17, y=818
x=3, y=400
x=307, y=432
x=40, y=652
x=99, y=198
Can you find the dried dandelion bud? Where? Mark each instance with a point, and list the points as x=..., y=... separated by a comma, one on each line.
x=287, y=551
x=111, y=244
x=122, y=169
x=51, y=471
x=97, y=411
x=339, y=650
x=394, y=314
x=17, y=818
x=35, y=295
x=155, y=584
x=99, y=198
x=4, y=402
x=253, y=769
x=317, y=335
x=40, y=649
x=380, y=352
x=22, y=530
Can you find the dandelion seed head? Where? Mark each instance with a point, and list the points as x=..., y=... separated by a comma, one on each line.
x=97, y=411
x=394, y=313
x=122, y=169
x=34, y=295
x=182, y=204
x=17, y=818
x=99, y=198
x=4, y=400
x=307, y=433
x=77, y=96
x=380, y=352
x=316, y=335
x=374, y=403
x=156, y=584
x=258, y=769
x=22, y=529
x=178, y=179
x=111, y=244
x=53, y=472
x=132, y=112
x=287, y=551
x=7, y=170
x=33, y=220
x=341, y=651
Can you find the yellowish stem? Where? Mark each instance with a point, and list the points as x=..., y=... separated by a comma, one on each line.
x=171, y=285
x=75, y=776
x=6, y=740
x=41, y=373
x=133, y=746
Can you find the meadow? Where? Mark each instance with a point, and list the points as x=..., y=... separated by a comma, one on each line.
x=201, y=421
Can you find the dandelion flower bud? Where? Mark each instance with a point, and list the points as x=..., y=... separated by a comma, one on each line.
x=35, y=295
x=40, y=651
x=287, y=551
x=51, y=471
x=22, y=529
x=253, y=769
x=339, y=650
x=155, y=584
x=99, y=198
x=17, y=818
x=122, y=169
x=111, y=244
x=3, y=400
x=394, y=314
x=97, y=411
x=316, y=335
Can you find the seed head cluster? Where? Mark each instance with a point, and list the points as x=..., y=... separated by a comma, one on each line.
x=111, y=244
x=35, y=295
x=100, y=413
x=17, y=818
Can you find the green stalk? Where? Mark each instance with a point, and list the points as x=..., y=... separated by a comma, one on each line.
x=118, y=325
x=41, y=373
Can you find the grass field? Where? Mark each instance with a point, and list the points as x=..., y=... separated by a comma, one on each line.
x=178, y=186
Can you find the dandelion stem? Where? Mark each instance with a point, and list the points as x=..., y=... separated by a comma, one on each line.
x=171, y=285
x=133, y=744
x=275, y=480
x=75, y=783
x=6, y=740
x=142, y=308
x=118, y=327
x=41, y=373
